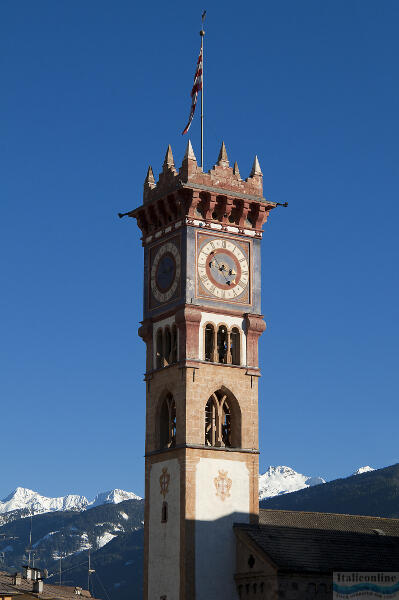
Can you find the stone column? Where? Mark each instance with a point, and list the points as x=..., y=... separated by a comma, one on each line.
x=255, y=326
x=215, y=357
x=229, y=358
x=188, y=321
x=146, y=333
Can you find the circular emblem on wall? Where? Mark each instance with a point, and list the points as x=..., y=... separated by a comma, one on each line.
x=165, y=272
x=223, y=268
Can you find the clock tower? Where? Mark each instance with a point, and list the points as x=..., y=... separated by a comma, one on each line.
x=201, y=234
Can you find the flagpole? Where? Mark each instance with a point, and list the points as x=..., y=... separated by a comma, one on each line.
x=202, y=34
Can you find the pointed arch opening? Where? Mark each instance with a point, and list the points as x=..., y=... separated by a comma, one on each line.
x=226, y=425
x=167, y=423
x=210, y=422
x=222, y=420
x=167, y=346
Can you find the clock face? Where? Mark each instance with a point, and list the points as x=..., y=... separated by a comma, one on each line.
x=165, y=272
x=223, y=268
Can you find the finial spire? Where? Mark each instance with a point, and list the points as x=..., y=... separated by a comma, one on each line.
x=223, y=158
x=256, y=170
x=236, y=170
x=189, y=152
x=169, y=162
x=150, y=179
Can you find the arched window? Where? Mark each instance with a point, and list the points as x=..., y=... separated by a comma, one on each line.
x=174, y=344
x=167, y=346
x=167, y=423
x=159, y=349
x=235, y=346
x=312, y=589
x=210, y=422
x=222, y=421
x=226, y=425
x=222, y=344
x=209, y=343
x=164, y=514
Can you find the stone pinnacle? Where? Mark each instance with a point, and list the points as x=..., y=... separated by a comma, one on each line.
x=189, y=152
x=223, y=158
x=169, y=161
x=256, y=170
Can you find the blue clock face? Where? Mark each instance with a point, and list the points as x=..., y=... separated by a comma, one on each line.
x=166, y=271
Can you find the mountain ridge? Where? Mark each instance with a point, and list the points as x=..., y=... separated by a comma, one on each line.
x=24, y=499
x=24, y=502
x=283, y=480
x=374, y=492
x=114, y=532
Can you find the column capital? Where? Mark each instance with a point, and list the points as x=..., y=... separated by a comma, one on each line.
x=255, y=326
x=188, y=321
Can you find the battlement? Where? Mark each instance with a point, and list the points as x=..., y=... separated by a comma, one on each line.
x=221, y=176
x=218, y=199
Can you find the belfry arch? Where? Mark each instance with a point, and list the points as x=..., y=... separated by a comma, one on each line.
x=167, y=422
x=222, y=420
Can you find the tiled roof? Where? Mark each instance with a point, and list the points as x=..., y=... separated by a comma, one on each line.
x=50, y=592
x=317, y=520
x=309, y=550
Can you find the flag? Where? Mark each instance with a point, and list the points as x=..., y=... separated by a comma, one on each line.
x=194, y=92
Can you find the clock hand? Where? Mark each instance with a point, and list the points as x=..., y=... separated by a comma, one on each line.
x=217, y=262
x=222, y=268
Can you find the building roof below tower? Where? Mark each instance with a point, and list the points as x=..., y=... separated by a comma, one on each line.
x=306, y=550
x=306, y=542
x=339, y=522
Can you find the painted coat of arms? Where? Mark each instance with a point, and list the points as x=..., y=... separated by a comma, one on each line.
x=223, y=485
x=164, y=481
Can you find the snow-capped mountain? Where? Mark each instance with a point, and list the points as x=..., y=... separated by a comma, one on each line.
x=282, y=480
x=276, y=481
x=23, y=499
x=365, y=469
x=113, y=497
x=68, y=534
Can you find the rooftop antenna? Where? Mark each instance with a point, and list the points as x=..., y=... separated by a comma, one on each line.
x=89, y=572
x=60, y=570
x=29, y=548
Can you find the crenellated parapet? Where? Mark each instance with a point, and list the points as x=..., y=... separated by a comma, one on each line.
x=218, y=200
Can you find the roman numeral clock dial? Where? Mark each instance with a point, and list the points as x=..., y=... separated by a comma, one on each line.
x=223, y=269
x=165, y=272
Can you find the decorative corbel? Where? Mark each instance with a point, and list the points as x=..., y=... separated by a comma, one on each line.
x=210, y=206
x=243, y=213
x=227, y=210
x=192, y=203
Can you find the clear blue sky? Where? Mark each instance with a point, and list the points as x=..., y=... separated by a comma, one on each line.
x=92, y=92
